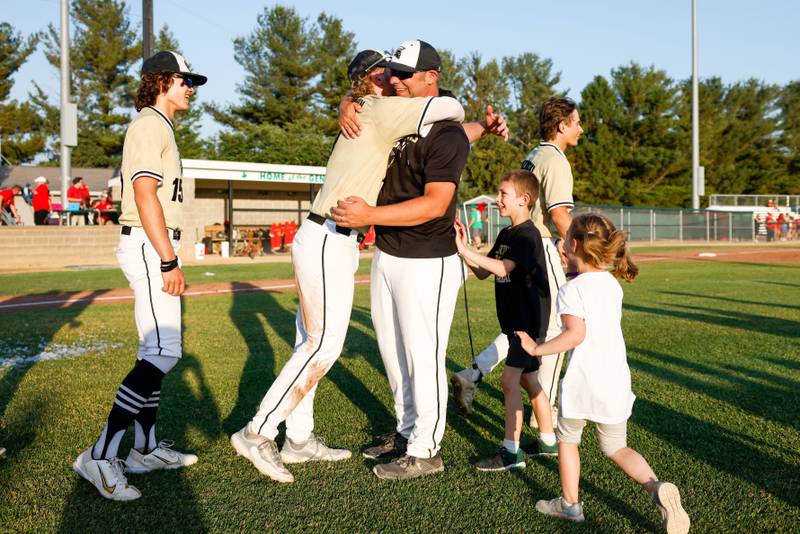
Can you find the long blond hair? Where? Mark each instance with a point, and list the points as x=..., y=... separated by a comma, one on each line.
x=601, y=244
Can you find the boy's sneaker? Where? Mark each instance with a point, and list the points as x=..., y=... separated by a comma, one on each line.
x=162, y=457
x=667, y=499
x=540, y=448
x=314, y=448
x=106, y=475
x=389, y=445
x=262, y=452
x=463, y=389
x=558, y=507
x=503, y=460
x=407, y=467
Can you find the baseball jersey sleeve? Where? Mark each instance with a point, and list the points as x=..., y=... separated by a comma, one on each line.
x=447, y=156
x=399, y=117
x=143, y=149
x=556, y=181
x=569, y=301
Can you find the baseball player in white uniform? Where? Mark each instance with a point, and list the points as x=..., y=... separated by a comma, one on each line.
x=325, y=260
x=559, y=124
x=152, y=208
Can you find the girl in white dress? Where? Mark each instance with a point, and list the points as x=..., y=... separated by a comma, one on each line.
x=597, y=384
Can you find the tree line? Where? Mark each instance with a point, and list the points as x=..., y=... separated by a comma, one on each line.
x=636, y=148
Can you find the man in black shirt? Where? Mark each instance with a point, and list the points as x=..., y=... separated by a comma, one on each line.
x=416, y=271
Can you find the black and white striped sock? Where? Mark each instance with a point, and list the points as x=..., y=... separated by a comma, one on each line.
x=144, y=424
x=132, y=395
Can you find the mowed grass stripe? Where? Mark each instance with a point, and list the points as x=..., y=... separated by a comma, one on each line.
x=713, y=349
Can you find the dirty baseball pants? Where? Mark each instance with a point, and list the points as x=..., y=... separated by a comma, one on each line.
x=550, y=367
x=325, y=263
x=413, y=300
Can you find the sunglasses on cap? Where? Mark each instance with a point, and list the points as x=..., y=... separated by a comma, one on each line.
x=185, y=82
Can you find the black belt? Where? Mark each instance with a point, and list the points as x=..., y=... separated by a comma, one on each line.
x=176, y=234
x=319, y=219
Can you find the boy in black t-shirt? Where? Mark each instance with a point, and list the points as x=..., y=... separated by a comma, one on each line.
x=522, y=297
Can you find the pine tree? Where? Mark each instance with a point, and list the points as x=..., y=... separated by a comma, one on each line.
x=20, y=125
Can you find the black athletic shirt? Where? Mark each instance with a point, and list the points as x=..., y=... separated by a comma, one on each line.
x=414, y=162
x=523, y=298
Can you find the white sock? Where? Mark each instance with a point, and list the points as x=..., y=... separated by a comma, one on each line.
x=476, y=375
x=511, y=445
x=548, y=438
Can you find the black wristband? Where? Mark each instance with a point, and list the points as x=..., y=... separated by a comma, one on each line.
x=167, y=266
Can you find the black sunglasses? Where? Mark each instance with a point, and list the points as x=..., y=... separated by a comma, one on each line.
x=401, y=75
x=185, y=82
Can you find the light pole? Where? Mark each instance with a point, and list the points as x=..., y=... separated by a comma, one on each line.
x=66, y=151
x=696, y=174
x=147, y=29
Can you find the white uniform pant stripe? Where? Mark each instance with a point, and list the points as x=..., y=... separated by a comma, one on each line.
x=550, y=367
x=413, y=301
x=325, y=264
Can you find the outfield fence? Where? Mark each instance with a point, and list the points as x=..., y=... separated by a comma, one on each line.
x=657, y=224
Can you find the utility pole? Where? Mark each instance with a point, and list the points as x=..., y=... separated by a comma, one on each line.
x=696, y=174
x=147, y=29
x=66, y=150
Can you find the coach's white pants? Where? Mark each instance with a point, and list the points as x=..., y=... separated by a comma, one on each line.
x=413, y=300
x=550, y=367
x=325, y=263
x=157, y=313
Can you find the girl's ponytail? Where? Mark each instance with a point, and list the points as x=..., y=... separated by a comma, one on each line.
x=603, y=245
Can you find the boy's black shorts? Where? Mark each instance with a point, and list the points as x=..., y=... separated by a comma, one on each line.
x=518, y=358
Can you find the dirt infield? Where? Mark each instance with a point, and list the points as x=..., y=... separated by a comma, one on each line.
x=85, y=298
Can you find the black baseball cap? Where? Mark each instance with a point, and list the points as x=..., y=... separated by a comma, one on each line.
x=414, y=56
x=166, y=61
x=364, y=62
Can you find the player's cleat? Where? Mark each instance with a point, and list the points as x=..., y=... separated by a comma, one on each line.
x=558, y=507
x=463, y=389
x=162, y=457
x=314, y=448
x=540, y=448
x=407, y=467
x=390, y=445
x=667, y=499
x=263, y=453
x=106, y=475
x=535, y=424
x=503, y=460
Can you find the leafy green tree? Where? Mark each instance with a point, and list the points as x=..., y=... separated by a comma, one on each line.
x=104, y=49
x=333, y=49
x=531, y=81
x=789, y=140
x=20, y=125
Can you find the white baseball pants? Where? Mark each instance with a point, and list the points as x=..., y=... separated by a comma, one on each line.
x=325, y=263
x=550, y=367
x=158, y=314
x=413, y=300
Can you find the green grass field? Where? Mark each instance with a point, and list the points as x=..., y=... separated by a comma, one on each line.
x=714, y=349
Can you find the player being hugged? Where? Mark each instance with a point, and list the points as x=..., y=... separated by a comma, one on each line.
x=522, y=296
x=597, y=384
x=152, y=218
x=325, y=260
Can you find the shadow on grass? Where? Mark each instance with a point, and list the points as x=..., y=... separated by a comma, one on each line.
x=727, y=318
x=765, y=302
x=792, y=365
x=47, y=325
x=256, y=378
x=776, y=283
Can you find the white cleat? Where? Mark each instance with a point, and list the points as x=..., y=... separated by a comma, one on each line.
x=314, y=449
x=667, y=499
x=262, y=452
x=106, y=475
x=162, y=457
x=463, y=389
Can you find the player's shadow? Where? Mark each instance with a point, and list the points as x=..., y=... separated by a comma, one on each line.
x=721, y=317
x=767, y=302
x=187, y=408
x=248, y=310
x=39, y=328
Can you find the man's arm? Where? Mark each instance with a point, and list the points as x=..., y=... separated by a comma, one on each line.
x=492, y=124
x=354, y=212
x=561, y=219
x=152, y=216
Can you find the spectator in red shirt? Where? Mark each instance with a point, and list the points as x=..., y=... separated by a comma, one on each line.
x=103, y=206
x=8, y=211
x=41, y=201
x=78, y=199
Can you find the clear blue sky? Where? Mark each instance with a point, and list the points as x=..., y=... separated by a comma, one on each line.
x=738, y=39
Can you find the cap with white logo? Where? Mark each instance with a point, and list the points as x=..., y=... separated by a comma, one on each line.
x=414, y=56
x=166, y=61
